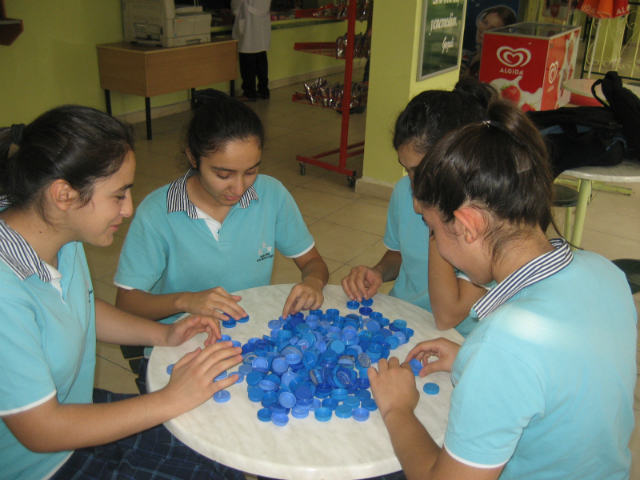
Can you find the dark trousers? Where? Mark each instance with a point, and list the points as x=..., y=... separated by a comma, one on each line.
x=254, y=65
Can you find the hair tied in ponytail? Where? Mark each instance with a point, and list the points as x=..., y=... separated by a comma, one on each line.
x=17, y=130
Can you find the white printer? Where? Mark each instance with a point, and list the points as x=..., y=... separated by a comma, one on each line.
x=160, y=22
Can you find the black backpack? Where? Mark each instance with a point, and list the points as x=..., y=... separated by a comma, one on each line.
x=588, y=136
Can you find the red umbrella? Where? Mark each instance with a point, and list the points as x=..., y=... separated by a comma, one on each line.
x=604, y=8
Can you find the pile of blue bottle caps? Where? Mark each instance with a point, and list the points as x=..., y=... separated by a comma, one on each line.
x=317, y=364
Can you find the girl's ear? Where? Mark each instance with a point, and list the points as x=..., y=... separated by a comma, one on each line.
x=417, y=207
x=62, y=194
x=472, y=222
x=192, y=160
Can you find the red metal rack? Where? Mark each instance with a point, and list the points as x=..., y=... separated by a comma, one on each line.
x=345, y=151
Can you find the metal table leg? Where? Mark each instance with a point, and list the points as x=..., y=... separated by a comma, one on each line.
x=147, y=109
x=107, y=97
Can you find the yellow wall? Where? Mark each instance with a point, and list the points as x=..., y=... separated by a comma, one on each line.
x=394, y=65
x=54, y=61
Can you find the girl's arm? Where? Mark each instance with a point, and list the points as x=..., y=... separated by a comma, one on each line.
x=364, y=282
x=307, y=295
x=210, y=302
x=451, y=297
x=52, y=426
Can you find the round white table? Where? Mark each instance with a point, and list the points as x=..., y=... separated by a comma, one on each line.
x=304, y=449
x=627, y=172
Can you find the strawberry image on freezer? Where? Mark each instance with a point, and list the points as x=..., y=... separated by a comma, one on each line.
x=527, y=63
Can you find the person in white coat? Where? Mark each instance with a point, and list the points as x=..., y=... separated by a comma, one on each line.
x=252, y=29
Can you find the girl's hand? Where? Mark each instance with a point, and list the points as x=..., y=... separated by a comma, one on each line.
x=191, y=382
x=214, y=302
x=444, y=349
x=307, y=295
x=182, y=330
x=393, y=386
x=362, y=282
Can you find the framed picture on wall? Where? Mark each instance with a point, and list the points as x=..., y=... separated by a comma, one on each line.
x=441, y=37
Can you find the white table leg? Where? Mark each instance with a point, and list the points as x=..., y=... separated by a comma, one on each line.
x=581, y=211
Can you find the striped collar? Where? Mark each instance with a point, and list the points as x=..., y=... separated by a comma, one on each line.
x=537, y=269
x=16, y=252
x=178, y=200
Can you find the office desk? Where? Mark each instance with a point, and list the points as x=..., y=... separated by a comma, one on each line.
x=150, y=71
x=304, y=449
x=627, y=172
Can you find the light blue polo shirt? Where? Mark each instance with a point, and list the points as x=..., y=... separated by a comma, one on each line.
x=545, y=382
x=47, y=342
x=407, y=233
x=169, y=249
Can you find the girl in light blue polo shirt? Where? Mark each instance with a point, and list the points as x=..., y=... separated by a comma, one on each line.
x=428, y=117
x=215, y=230
x=544, y=385
x=66, y=179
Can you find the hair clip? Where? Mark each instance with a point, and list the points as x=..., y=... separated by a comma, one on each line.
x=491, y=123
x=17, y=130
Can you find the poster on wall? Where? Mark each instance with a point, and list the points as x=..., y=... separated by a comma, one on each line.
x=440, y=40
x=484, y=15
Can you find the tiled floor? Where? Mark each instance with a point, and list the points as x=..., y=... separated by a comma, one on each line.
x=348, y=227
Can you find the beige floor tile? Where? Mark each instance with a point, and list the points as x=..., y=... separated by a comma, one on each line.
x=139, y=192
x=160, y=165
x=335, y=184
x=360, y=216
x=340, y=243
x=168, y=145
x=289, y=172
x=113, y=377
x=306, y=140
x=103, y=260
x=105, y=291
x=112, y=353
x=613, y=223
x=621, y=204
x=309, y=220
x=315, y=204
x=371, y=256
x=381, y=202
x=609, y=245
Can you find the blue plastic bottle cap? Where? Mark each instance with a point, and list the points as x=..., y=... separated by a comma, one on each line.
x=260, y=363
x=229, y=323
x=353, y=305
x=416, y=365
x=333, y=311
x=400, y=324
x=315, y=312
x=344, y=411
x=352, y=401
x=277, y=408
x=255, y=394
x=365, y=311
x=363, y=395
x=375, y=316
x=264, y=415
x=279, y=365
x=245, y=369
x=323, y=414
x=337, y=346
x=330, y=403
x=269, y=398
x=222, y=376
x=309, y=359
x=303, y=392
x=393, y=341
x=280, y=419
x=370, y=404
x=339, y=394
x=170, y=369
x=240, y=376
x=384, y=321
x=225, y=338
x=221, y=396
x=287, y=399
x=401, y=336
x=317, y=403
x=366, y=302
x=244, y=319
x=299, y=412
x=409, y=332
x=364, y=360
x=267, y=385
x=431, y=388
x=274, y=324
x=361, y=414
x=293, y=358
x=373, y=326
x=364, y=383
x=254, y=378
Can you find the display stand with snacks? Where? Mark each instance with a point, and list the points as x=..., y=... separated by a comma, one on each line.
x=320, y=93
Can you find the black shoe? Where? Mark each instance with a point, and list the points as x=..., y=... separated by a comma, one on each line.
x=266, y=95
x=244, y=98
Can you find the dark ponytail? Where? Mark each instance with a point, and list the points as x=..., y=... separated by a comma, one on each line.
x=499, y=165
x=77, y=144
x=218, y=120
x=430, y=115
